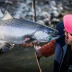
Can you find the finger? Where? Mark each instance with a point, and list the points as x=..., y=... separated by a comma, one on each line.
x=24, y=41
x=38, y=43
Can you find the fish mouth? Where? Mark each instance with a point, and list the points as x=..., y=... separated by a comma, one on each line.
x=54, y=38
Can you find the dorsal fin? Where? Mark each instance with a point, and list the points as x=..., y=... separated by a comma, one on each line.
x=7, y=16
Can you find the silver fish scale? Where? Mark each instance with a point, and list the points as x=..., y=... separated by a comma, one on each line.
x=20, y=23
x=15, y=30
x=25, y=24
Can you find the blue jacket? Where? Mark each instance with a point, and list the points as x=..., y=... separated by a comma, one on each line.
x=59, y=52
x=59, y=47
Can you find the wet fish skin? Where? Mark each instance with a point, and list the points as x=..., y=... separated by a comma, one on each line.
x=16, y=30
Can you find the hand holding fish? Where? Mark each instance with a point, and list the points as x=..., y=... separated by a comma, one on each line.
x=24, y=44
x=30, y=43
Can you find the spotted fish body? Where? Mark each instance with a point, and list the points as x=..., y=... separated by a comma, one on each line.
x=16, y=30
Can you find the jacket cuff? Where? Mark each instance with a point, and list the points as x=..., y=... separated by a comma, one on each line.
x=48, y=49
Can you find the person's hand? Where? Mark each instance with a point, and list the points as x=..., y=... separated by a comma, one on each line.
x=27, y=44
x=24, y=44
x=37, y=49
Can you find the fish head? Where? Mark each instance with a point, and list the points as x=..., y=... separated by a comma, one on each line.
x=50, y=33
x=46, y=34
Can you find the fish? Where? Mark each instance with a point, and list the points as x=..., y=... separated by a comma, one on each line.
x=15, y=31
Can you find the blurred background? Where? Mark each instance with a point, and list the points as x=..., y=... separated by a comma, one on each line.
x=49, y=13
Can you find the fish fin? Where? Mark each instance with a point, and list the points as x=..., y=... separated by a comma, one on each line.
x=7, y=16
